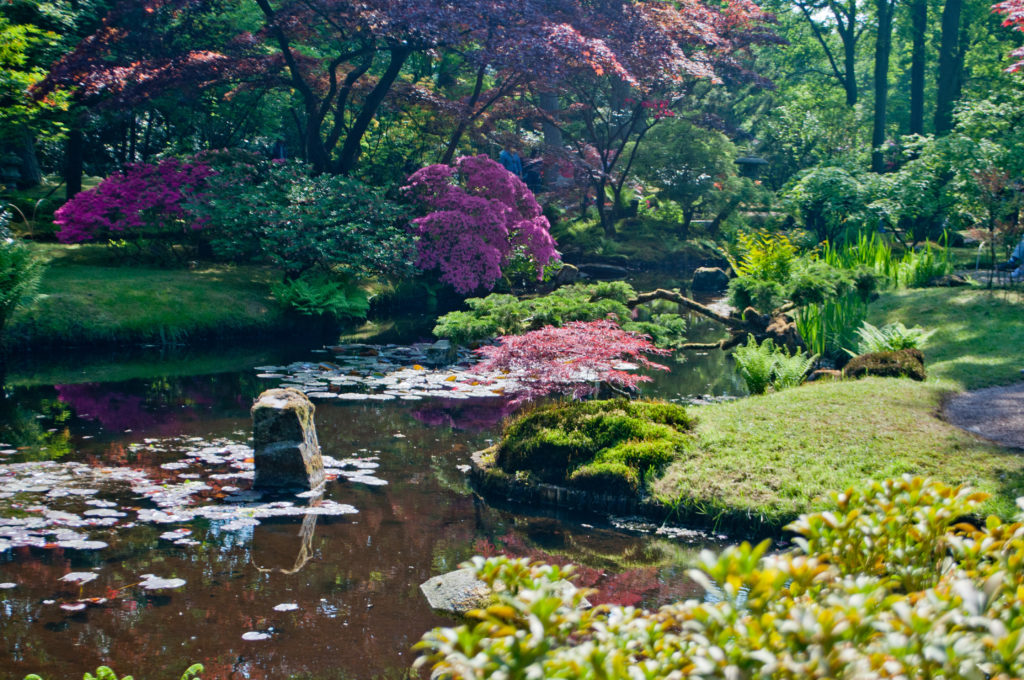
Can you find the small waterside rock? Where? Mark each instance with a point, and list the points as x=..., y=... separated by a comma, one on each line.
x=709, y=280
x=286, y=452
x=460, y=591
x=948, y=281
x=825, y=375
x=598, y=270
x=441, y=353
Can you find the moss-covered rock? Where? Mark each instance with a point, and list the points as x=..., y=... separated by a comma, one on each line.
x=902, y=363
x=608, y=446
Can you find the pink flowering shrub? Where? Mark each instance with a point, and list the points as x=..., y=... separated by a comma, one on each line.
x=574, y=359
x=142, y=202
x=481, y=217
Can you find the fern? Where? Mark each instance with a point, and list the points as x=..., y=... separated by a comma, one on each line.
x=889, y=338
x=766, y=365
x=755, y=364
x=314, y=295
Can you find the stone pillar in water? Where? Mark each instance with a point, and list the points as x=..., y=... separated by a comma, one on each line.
x=286, y=450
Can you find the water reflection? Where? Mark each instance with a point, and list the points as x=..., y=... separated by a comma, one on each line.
x=353, y=579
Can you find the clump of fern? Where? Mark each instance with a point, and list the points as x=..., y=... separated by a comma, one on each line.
x=766, y=365
x=889, y=338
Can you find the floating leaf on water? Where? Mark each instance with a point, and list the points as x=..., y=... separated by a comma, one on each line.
x=255, y=635
x=103, y=512
x=81, y=577
x=286, y=607
x=151, y=582
x=82, y=545
x=8, y=586
x=73, y=607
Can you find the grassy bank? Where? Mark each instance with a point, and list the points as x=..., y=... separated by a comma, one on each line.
x=86, y=299
x=772, y=457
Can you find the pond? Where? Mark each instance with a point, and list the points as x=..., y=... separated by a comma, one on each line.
x=128, y=537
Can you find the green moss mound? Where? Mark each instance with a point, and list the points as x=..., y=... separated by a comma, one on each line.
x=608, y=446
x=908, y=363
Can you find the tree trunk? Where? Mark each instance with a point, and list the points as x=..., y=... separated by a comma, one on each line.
x=74, y=161
x=31, y=175
x=353, y=141
x=918, y=28
x=552, y=135
x=883, y=48
x=850, y=68
x=949, y=59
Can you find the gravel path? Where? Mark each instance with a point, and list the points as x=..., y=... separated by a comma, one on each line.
x=995, y=413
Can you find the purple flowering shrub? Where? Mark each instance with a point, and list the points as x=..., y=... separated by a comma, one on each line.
x=480, y=218
x=143, y=201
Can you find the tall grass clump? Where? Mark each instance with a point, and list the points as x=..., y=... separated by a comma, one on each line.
x=830, y=327
x=918, y=268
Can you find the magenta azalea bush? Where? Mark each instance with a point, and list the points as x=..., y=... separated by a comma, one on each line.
x=480, y=218
x=144, y=200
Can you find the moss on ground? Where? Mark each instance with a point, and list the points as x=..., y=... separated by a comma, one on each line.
x=612, y=446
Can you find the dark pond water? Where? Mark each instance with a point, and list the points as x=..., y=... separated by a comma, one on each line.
x=127, y=476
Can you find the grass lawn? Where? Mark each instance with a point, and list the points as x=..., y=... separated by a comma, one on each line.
x=766, y=459
x=85, y=298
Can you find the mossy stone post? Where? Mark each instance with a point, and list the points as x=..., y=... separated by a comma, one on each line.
x=286, y=451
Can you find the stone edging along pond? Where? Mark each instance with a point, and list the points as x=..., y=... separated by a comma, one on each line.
x=489, y=480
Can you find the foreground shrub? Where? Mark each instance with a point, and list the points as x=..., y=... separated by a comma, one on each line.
x=499, y=314
x=609, y=446
x=888, y=584
x=480, y=218
x=106, y=673
x=904, y=363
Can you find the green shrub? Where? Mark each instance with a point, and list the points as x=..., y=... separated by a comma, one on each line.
x=889, y=338
x=105, y=673
x=583, y=443
x=766, y=365
x=888, y=583
x=904, y=363
x=829, y=328
x=502, y=314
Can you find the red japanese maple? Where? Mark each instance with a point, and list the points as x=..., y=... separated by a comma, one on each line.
x=575, y=359
x=1014, y=11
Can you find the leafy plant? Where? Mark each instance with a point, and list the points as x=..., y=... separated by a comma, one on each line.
x=889, y=338
x=105, y=673
x=765, y=256
x=576, y=359
x=315, y=294
x=20, y=273
x=828, y=328
x=502, y=314
x=886, y=583
x=763, y=365
x=480, y=217
x=918, y=268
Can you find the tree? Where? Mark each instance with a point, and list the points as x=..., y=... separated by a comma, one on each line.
x=884, y=10
x=576, y=358
x=481, y=217
x=1014, y=11
x=844, y=16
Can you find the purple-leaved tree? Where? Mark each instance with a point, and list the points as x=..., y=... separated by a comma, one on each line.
x=480, y=217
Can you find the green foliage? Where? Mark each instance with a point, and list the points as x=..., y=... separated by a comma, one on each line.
x=924, y=597
x=279, y=214
x=830, y=201
x=830, y=327
x=501, y=314
x=105, y=673
x=20, y=272
x=918, y=268
x=889, y=338
x=766, y=365
x=765, y=256
x=314, y=294
x=597, y=445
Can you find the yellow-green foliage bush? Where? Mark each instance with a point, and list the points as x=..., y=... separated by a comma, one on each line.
x=889, y=584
